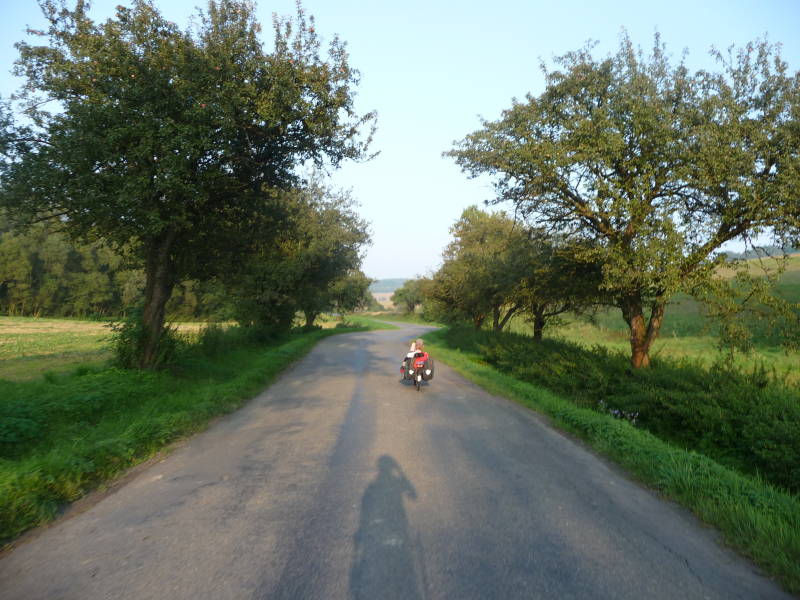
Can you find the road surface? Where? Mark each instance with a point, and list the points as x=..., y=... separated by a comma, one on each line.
x=340, y=481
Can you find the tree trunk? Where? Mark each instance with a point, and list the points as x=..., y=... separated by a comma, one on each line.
x=505, y=319
x=496, y=318
x=538, y=325
x=477, y=321
x=160, y=279
x=311, y=316
x=643, y=332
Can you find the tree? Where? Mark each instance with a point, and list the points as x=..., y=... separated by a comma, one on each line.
x=555, y=282
x=328, y=254
x=351, y=293
x=652, y=169
x=308, y=266
x=408, y=296
x=483, y=268
x=172, y=141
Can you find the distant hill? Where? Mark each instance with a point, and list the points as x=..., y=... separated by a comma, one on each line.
x=761, y=252
x=386, y=286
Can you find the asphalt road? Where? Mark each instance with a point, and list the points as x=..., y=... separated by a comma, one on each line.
x=339, y=481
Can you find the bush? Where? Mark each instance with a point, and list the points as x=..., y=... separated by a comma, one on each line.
x=748, y=420
x=128, y=338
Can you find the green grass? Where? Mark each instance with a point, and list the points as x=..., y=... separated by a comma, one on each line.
x=687, y=332
x=30, y=347
x=63, y=435
x=758, y=519
x=400, y=317
x=373, y=322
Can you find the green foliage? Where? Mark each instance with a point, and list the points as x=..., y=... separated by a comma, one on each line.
x=310, y=265
x=351, y=292
x=45, y=273
x=746, y=420
x=496, y=267
x=130, y=335
x=409, y=295
x=173, y=142
x=753, y=516
x=650, y=167
x=483, y=269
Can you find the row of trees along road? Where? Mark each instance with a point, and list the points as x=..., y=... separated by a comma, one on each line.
x=496, y=268
x=647, y=169
x=178, y=145
x=45, y=273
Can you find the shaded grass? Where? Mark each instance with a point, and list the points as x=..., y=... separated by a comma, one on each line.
x=758, y=519
x=744, y=419
x=400, y=317
x=63, y=435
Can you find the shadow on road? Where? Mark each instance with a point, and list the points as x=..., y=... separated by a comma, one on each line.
x=384, y=564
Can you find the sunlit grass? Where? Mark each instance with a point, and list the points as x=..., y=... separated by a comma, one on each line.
x=31, y=347
x=611, y=332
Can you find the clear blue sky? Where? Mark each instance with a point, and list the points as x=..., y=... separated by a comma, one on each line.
x=431, y=68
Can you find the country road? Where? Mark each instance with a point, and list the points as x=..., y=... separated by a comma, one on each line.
x=341, y=482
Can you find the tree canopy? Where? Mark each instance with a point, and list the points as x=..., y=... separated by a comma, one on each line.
x=409, y=295
x=649, y=167
x=311, y=265
x=172, y=140
x=483, y=268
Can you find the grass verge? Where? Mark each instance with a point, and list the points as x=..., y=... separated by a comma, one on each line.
x=759, y=520
x=414, y=318
x=63, y=435
x=368, y=321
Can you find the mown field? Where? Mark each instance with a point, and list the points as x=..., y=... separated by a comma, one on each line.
x=31, y=347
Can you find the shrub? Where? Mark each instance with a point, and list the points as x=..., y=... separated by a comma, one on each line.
x=128, y=337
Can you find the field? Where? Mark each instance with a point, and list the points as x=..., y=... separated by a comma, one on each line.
x=384, y=299
x=31, y=347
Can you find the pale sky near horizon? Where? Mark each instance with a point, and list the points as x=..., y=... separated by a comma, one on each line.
x=432, y=68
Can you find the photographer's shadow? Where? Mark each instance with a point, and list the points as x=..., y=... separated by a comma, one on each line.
x=384, y=564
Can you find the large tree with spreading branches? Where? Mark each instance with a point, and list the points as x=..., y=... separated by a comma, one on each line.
x=650, y=167
x=173, y=141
